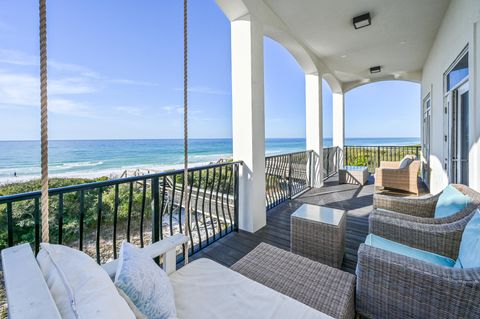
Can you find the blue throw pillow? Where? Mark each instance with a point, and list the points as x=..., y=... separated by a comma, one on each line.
x=451, y=201
x=144, y=285
x=469, y=254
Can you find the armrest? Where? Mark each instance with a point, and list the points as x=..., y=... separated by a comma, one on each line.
x=385, y=164
x=420, y=207
x=410, y=288
x=28, y=295
x=166, y=248
x=442, y=239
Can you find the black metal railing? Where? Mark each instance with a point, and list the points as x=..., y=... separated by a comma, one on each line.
x=286, y=175
x=332, y=157
x=96, y=217
x=371, y=156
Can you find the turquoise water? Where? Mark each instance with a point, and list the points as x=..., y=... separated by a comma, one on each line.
x=66, y=157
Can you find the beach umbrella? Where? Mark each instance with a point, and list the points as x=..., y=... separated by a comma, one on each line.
x=44, y=119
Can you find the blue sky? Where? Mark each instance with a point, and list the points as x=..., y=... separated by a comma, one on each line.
x=115, y=71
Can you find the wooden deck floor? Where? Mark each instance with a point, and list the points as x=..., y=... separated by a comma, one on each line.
x=356, y=200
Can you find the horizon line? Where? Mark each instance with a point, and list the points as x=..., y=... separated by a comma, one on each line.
x=199, y=138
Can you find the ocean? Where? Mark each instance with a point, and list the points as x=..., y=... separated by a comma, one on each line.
x=104, y=157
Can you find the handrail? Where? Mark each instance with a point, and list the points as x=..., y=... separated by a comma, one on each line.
x=284, y=154
x=111, y=182
x=371, y=156
x=95, y=216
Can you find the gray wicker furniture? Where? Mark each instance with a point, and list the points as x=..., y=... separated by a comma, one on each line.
x=390, y=176
x=410, y=221
x=318, y=233
x=319, y=286
x=353, y=175
x=392, y=286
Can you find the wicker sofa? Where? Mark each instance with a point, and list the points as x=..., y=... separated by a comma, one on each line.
x=410, y=221
x=390, y=176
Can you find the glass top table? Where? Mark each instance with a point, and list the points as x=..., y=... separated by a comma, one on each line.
x=321, y=214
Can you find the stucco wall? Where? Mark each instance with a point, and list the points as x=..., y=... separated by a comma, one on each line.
x=455, y=33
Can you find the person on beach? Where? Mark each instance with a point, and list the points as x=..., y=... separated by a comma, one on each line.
x=14, y=174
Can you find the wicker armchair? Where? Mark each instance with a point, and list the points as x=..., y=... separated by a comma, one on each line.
x=410, y=221
x=392, y=286
x=390, y=176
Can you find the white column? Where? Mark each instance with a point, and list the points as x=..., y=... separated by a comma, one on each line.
x=248, y=120
x=338, y=106
x=314, y=126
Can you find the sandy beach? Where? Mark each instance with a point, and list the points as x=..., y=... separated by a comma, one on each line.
x=110, y=173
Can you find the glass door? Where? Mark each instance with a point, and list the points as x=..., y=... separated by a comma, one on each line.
x=459, y=135
x=457, y=116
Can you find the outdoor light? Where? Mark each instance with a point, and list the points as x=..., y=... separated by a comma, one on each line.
x=362, y=21
x=375, y=69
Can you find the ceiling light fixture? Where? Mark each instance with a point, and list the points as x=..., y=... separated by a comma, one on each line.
x=362, y=21
x=375, y=69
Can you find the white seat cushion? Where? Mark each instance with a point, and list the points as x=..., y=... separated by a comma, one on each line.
x=206, y=289
x=79, y=286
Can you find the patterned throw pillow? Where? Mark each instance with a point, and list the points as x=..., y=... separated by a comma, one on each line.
x=144, y=285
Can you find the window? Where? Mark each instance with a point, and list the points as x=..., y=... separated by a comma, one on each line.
x=458, y=73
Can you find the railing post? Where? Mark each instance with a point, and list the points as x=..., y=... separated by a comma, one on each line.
x=337, y=158
x=235, y=198
x=156, y=212
x=290, y=176
x=378, y=157
x=345, y=160
x=416, y=150
x=9, y=225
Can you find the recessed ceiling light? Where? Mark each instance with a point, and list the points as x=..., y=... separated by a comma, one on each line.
x=343, y=56
x=362, y=21
x=375, y=69
x=403, y=42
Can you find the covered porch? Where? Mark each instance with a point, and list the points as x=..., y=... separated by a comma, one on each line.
x=356, y=200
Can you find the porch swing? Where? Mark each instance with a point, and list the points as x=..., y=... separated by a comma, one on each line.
x=202, y=288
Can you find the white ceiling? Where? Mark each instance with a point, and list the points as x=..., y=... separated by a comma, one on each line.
x=399, y=39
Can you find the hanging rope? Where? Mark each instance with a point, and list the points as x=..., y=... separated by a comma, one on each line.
x=44, y=119
x=185, y=124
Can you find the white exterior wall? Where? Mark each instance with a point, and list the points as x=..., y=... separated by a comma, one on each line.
x=459, y=28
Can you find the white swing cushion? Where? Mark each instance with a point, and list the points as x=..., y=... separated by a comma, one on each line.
x=205, y=289
x=80, y=287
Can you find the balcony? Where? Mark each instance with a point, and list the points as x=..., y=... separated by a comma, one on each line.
x=239, y=206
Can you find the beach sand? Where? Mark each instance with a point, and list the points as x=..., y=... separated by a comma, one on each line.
x=110, y=173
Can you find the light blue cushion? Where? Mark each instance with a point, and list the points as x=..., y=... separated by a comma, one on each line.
x=451, y=201
x=469, y=254
x=394, y=247
x=144, y=285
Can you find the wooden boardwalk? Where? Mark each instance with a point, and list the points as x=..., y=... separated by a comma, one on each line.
x=356, y=200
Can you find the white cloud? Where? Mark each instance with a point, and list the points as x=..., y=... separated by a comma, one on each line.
x=204, y=90
x=173, y=108
x=24, y=90
x=69, y=107
x=19, y=89
x=134, y=82
x=131, y=110
x=78, y=85
x=17, y=58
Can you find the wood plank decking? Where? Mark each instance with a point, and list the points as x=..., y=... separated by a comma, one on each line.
x=356, y=200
